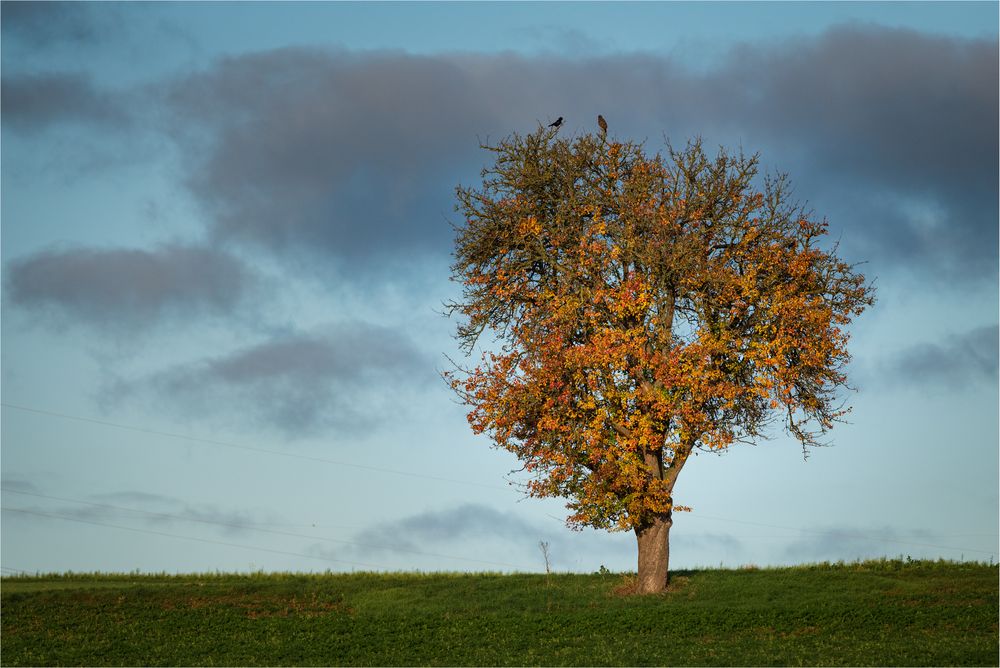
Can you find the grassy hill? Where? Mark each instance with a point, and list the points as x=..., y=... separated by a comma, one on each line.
x=871, y=613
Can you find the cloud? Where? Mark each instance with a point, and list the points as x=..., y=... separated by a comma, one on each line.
x=966, y=359
x=121, y=287
x=221, y=520
x=507, y=539
x=468, y=522
x=31, y=102
x=19, y=485
x=134, y=498
x=43, y=24
x=897, y=125
x=846, y=543
x=150, y=509
x=345, y=377
x=70, y=126
x=355, y=154
x=440, y=539
x=703, y=541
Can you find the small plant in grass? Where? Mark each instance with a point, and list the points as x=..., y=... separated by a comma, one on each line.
x=544, y=547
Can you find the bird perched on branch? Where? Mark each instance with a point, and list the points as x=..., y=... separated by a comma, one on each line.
x=556, y=123
x=603, y=123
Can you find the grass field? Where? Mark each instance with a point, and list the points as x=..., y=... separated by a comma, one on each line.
x=871, y=613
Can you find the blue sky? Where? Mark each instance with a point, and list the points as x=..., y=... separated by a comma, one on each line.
x=226, y=237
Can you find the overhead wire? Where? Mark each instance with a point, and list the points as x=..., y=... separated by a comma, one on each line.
x=11, y=569
x=442, y=479
x=839, y=534
x=69, y=518
x=251, y=527
x=249, y=448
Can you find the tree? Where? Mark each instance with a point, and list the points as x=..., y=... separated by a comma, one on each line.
x=643, y=308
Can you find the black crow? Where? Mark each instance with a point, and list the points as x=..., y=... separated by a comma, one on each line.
x=556, y=123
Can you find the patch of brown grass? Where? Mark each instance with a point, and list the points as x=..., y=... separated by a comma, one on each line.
x=257, y=606
x=629, y=586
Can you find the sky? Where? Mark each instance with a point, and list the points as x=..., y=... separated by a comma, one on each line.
x=226, y=239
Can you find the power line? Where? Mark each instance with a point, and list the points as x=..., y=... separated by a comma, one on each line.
x=443, y=479
x=249, y=448
x=192, y=538
x=841, y=534
x=838, y=534
x=257, y=526
x=15, y=570
x=262, y=530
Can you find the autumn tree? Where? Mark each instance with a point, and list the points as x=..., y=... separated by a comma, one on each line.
x=637, y=309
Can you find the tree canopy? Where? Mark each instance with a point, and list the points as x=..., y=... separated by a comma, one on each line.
x=644, y=307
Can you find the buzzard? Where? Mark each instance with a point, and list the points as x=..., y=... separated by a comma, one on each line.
x=603, y=123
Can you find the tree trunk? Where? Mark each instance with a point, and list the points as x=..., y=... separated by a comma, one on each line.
x=654, y=554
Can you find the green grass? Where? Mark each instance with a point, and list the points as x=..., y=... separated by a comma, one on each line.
x=871, y=613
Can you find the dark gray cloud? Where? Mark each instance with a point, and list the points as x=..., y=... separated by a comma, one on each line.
x=354, y=155
x=133, y=498
x=715, y=541
x=357, y=155
x=443, y=537
x=468, y=522
x=18, y=485
x=509, y=538
x=150, y=509
x=343, y=377
x=965, y=360
x=219, y=519
x=916, y=104
x=127, y=287
x=848, y=544
x=32, y=102
x=66, y=126
x=891, y=132
x=42, y=24
x=350, y=155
